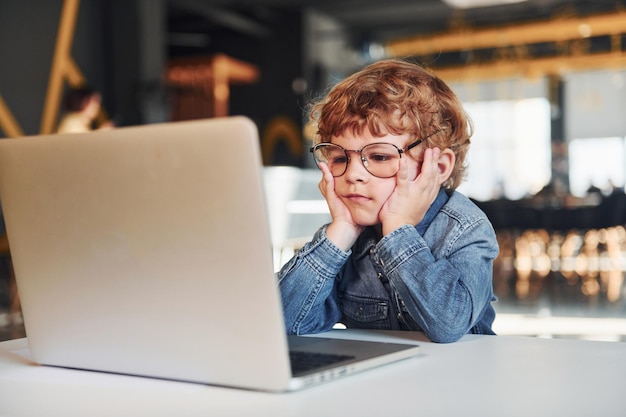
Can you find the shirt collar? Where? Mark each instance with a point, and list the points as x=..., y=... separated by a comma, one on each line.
x=440, y=200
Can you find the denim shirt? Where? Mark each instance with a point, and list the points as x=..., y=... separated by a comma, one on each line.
x=435, y=277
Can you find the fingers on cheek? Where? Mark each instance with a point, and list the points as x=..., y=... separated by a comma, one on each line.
x=433, y=158
x=408, y=170
x=432, y=162
x=326, y=186
x=414, y=170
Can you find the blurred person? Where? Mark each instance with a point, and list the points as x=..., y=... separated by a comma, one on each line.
x=82, y=106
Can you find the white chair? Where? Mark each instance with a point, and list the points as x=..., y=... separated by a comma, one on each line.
x=296, y=208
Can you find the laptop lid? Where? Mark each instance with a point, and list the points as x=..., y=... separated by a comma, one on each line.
x=138, y=245
x=146, y=251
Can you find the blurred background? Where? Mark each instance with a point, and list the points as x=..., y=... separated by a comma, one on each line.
x=542, y=80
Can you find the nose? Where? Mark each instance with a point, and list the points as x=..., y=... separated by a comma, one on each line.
x=355, y=171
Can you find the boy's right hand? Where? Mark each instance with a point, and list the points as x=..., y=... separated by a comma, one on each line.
x=343, y=230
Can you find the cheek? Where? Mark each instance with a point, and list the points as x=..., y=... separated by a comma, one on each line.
x=385, y=189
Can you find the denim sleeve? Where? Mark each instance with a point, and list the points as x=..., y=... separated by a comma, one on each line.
x=307, y=283
x=444, y=282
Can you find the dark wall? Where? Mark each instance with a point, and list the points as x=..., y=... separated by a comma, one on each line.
x=28, y=31
x=121, y=52
x=27, y=36
x=107, y=49
x=279, y=57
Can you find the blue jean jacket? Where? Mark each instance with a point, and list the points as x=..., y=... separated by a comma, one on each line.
x=435, y=277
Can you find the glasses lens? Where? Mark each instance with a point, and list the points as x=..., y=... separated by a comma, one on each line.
x=332, y=155
x=381, y=159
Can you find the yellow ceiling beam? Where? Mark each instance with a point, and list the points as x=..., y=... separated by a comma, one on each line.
x=555, y=30
x=59, y=65
x=533, y=67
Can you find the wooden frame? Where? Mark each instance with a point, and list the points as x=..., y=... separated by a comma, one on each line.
x=559, y=31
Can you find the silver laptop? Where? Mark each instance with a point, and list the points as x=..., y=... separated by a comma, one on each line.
x=146, y=251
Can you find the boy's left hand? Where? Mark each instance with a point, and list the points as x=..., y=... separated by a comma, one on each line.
x=415, y=191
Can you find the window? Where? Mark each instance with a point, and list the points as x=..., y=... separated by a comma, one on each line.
x=596, y=162
x=510, y=152
x=596, y=129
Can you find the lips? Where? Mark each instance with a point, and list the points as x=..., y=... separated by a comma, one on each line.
x=356, y=198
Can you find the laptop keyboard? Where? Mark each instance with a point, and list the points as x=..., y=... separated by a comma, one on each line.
x=306, y=361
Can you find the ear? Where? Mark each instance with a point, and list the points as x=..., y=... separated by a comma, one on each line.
x=445, y=163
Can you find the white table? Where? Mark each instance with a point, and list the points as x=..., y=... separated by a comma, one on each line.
x=500, y=376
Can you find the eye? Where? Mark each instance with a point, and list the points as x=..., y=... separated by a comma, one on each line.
x=380, y=157
x=338, y=159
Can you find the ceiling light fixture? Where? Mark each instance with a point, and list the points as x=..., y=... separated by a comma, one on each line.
x=470, y=4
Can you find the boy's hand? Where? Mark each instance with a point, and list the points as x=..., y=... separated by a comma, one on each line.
x=342, y=230
x=415, y=191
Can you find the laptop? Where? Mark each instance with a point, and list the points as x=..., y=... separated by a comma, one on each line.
x=147, y=251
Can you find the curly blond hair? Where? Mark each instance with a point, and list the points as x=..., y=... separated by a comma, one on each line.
x=396, y=97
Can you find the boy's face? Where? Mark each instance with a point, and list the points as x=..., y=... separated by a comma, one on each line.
x=363, y=193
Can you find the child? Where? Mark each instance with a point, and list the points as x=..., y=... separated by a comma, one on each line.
x=403, y=249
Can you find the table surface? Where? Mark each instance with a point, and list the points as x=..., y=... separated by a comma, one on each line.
x=477, y=376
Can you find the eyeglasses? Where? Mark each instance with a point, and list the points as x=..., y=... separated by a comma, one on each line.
x=382, y=160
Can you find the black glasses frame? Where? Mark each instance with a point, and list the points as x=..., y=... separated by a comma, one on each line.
x=360, y=152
